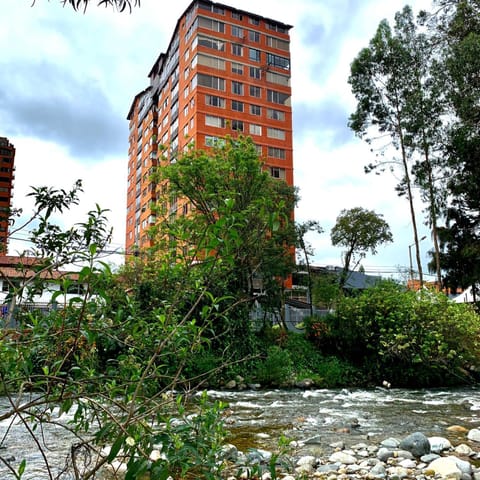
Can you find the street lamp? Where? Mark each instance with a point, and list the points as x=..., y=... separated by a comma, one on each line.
x=410, y=256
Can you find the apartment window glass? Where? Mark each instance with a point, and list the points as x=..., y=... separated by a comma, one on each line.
x=253, y=21
x=255, y=72
x=275, y=27
x=254, y=36
x=212, y=121
x=278, y=78
x=237, y=106
x=255, y=129
x=215, y=101
x=237, y=125
x=255, y=110
x=211, y=24
x=255, y=91
x=237, y=16
x=277, y=172
x=275, y=114
x=277, y=97
x=278, y=43
x=211, y=141
x=254, y=54
x=237, y=31
x=212, y=43
x=211, y=8
x=237, y=88
x=275, y=152
x=278, y=61
x=212, y=62
x=237, y=68
x=237, y=50
x=276, y=133
x=211, y=81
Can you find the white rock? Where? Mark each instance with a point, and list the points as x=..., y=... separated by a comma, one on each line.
x=463, y=449
x=439, y=444
x=446, y=467
x=407, y=463
x=474, y=435
x=306, y=460
x=342, y=457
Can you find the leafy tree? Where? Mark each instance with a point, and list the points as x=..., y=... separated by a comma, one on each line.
x=233, y=221
x=386, y=79
x=457, y=29
x=359, y=231
x=119, y=5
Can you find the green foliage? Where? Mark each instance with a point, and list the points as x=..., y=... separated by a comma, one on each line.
x=111, y=359
x=359, y=231
x=409, y=338
x=276, y=368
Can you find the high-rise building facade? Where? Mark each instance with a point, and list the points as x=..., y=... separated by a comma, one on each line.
x=7, y=158
x=225, y=71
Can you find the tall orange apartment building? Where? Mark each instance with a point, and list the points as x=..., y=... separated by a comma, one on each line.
x=7, y=158
x=225, y=71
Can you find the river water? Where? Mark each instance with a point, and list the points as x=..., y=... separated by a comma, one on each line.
x=318, y=417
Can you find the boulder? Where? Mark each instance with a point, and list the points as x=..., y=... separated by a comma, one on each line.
x=416, y=443
x=446, y=467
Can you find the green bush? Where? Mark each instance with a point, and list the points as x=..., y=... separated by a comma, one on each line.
x=276, y=368
x=408, y=338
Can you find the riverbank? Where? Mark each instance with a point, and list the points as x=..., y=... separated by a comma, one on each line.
x=413, y=457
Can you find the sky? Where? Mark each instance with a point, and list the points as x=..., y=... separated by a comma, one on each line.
x=67, y=81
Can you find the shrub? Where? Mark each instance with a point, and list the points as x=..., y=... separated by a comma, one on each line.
x=409, y=338
x=276, y=368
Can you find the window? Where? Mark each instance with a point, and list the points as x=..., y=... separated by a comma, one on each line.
x=277, y=172
x=255, y=129
x=237, y=16
x=255, y=72
x=237, y=31
x=237, y=68
x=277, y=43
x=212, y=121
x=276, y=153
x=185, y=110
x=237, y=50
x=211, y=141
x=237, y=125
x=211, y=8
x=278, y=78
x=212, y=43
x=275, y=114
x=254, y=54
x=255, y=91
x=237, y=88
x=210, y=81
x=275, y=27
x=254, y=36
x=255, y=110
x=278, y=97
x=211, y=24
x=276, y=133
x=237, y=106
x=215, y=101
x=278, y=61
x=253, y=21
x=212, y=62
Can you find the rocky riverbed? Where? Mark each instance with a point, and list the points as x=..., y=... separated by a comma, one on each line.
x=414, y=457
